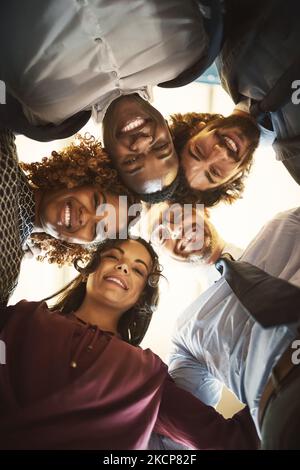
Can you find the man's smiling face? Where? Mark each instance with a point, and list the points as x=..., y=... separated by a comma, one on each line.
x=140, y=144
x=216, y=153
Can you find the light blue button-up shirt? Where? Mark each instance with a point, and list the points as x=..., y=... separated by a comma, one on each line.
x=216, y=342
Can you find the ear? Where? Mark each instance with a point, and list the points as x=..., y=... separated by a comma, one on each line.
x=200, y=125
x=84, y=277
x=170, y=130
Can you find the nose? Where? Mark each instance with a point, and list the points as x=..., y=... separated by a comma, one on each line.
x=123, y=268
x=175, y=232
x=142, y=143
x=85, y=216
x=219, y=152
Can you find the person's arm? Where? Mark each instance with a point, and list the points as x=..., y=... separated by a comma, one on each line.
x=194, y=377
x=191, y=375
x=12, y=117
x=10, y=258
x=187, y=420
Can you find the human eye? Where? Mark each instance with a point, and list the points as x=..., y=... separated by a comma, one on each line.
x=215, y=172
x=139, y=272
x=110, y=255
x=161, y=146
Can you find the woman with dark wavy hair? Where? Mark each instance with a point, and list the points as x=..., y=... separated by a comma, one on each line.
x=133, y=324
x=75, y=377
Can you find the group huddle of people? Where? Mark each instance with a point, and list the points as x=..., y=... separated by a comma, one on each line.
x=75, y=376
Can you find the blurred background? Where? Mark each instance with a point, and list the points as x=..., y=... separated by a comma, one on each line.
x=269, y=190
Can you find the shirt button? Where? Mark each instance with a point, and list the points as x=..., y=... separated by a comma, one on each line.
x=98, y=40
x=82, y=2
x=114, y=74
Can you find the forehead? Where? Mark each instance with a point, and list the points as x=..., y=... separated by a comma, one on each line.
x=153, y=175
x=133, y=249
x=81, y=189
x=177, y=214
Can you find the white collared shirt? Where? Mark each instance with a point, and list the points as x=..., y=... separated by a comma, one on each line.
x=71, y=55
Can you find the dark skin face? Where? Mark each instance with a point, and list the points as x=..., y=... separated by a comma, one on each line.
x=140, y=144
x=74, y=215
x=214, y=155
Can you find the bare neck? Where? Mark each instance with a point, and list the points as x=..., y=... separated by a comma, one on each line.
x=104, y=316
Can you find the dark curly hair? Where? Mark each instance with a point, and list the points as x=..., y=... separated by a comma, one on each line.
x=82, y=162
x=134, y=322
x=185, y=126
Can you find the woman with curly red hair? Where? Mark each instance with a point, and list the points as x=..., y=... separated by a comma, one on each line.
x=57, y=204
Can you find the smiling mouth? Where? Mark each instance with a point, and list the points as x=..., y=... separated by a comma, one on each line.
x=133, y=125
x=116, y=280
x=69, y=217
x=189, y=239
x=66, y=219
x=231, y=144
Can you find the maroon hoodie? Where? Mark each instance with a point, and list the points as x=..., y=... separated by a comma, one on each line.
x=70, y=385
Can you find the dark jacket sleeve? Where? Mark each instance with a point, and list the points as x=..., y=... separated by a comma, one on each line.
x=186, y=420
x=12, y=117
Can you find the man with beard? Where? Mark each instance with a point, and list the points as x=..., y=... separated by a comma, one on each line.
x=214, y=152
x=259, y=66
x=185, y=233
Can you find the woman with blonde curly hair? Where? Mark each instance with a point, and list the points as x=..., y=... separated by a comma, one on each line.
x=82, y=382
x=61, y=204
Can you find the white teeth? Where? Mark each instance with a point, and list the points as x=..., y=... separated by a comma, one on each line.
x=230, y=143
x=133, y=125
x=116, y=281
x=67, y=216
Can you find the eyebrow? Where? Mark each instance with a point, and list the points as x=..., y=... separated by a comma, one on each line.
x=165, y=155
x=135, y=170
x=208, y=176
x=192, y=155
x=136, y=260
x=161, y=157
x=142, y=262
